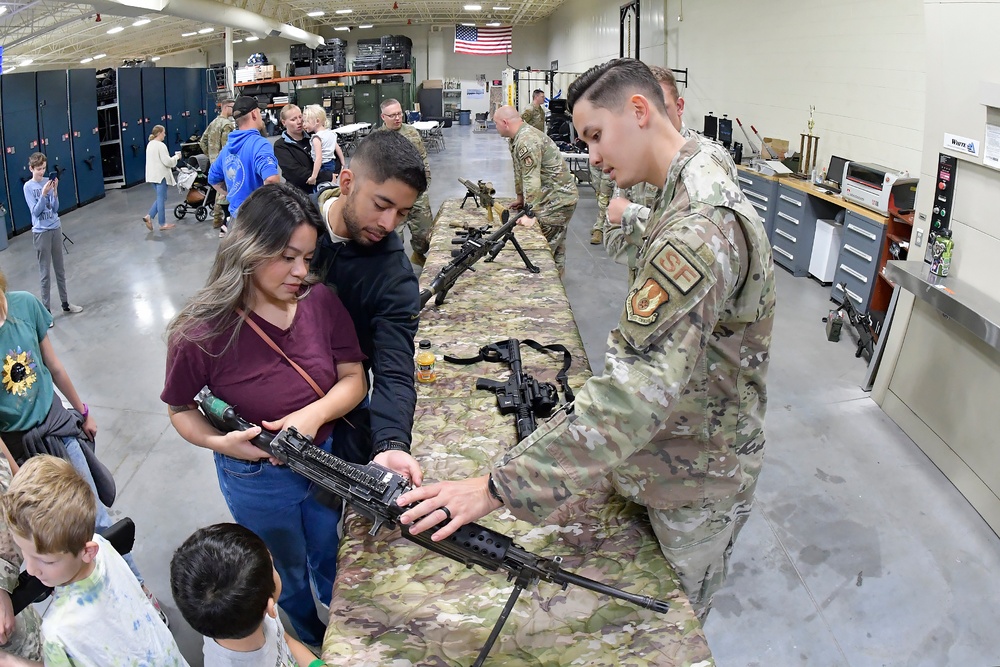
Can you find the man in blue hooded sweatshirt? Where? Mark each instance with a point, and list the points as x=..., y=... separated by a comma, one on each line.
x=247, y=160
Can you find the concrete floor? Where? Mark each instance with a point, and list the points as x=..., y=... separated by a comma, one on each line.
x=859, y=552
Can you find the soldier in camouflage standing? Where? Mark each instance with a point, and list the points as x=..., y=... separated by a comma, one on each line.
x=677, y=419
x=534, y=115
x=604, y=187
x=24, y=638
x=420, y=221
x=541, y=179
x=211, y=142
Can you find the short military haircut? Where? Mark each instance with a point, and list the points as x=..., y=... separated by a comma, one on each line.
x=37, y=160
x=388, y=103
x=383, y=155
x=537, y=91
x=666, y=78
x=608, y=86
x=222, y=578
x=49, y=503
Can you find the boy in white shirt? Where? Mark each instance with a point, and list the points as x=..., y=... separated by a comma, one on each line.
x=327, y=155
x=99, y=615
x=225, y=584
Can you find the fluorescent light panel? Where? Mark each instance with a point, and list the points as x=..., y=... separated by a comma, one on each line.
x=3, y=9
x=473, y=8
x=501, y=9
x=115, y=30
x=86, y=60
x=251, y=38
x=26, y=62
x=237, y=41
x=205, y=31
x=100, y=55
x=155, y=58
x=140, y=22
x=471, y=25
x=367, y=25
x=344, y=11
x=343, y=27
x=316, y=14
x=494, y=24
x=188, y=34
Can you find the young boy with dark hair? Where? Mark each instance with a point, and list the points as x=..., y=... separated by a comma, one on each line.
x=99, y=615
x=42, y=196
x=225, y=584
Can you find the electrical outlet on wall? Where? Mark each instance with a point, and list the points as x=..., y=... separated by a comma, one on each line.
x=919, y=241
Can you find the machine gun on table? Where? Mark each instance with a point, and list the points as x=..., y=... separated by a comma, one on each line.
x=476, y=245
x=372, y=491
x=482, y=193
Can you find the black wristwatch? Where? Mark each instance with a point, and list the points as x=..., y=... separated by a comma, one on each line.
x=492, y=486
x=390, y=445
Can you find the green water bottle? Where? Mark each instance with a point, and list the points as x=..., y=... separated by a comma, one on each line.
x=946, y=246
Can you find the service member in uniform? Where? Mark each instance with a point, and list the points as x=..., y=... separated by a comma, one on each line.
x=20, y=635
x=420, y=221
x=541, y=179
x=677, y=418
x=211, y=142
x=534, y=115
x=604, y=187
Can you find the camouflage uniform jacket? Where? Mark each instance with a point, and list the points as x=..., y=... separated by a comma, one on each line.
x=683, y=392
x=26, y=639
x=413, y=136
x=215, y=135
x=541, y=175
x=534, y=116
x=644, y=199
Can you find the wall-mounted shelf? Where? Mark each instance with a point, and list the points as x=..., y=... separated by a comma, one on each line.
x=332, y=75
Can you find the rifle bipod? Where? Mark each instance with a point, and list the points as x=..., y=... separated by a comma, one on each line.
x=521, y=581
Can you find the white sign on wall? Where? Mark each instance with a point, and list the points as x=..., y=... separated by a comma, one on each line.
x=962, y=144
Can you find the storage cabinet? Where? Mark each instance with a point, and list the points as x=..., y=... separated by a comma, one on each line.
x=858, y=264
x=761, y=192
x=794, y=227
x=86, y=135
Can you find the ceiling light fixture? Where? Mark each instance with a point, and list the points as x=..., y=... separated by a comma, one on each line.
x=494, y=24
x=3, y=9
x=100, y=55
x=205, y=31
x=188, y=34
x=344, y=11
x=140, y=22
x=471, y=25
x=116, y=29
x=26, y=62
x=251, y=38
x=155, y=58
x=342, y=28
x=10, y=69
x=501, y=9
x=316, y=14
x=86, y=60
x=367, y=25
x=237, y=41
x=473, y=8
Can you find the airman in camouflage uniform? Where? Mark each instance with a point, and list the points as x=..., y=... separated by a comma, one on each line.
x=212, y=140
x=534, y=115
x=26, y=639
x=420, y=221
x=541, y=179
x=604, y=187
x=677, y=419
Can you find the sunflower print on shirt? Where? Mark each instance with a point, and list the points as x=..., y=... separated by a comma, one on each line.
x=19, y=371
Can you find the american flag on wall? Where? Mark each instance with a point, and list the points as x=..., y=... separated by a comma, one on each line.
x=482, y=41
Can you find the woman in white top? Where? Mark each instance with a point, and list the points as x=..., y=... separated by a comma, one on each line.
x=159, y=172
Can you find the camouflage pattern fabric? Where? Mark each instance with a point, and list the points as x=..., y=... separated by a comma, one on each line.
x=420, y=220
x=534, y=116
x=677, y=418
x=604, y=187
x=212, y=140
x=26, y=641
x=395, y=603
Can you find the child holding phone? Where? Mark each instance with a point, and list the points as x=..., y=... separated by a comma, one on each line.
x=42, y=195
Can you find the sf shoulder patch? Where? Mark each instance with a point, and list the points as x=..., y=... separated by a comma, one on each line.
x=667, y=289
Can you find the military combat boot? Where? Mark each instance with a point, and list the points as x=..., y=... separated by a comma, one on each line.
x=597, y=237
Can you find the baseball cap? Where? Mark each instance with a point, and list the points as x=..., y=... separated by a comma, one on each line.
x=244, y=105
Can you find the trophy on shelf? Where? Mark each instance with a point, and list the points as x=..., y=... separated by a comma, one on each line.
x=808, y=147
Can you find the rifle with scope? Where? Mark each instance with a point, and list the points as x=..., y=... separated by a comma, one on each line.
x=372, y=491
x=476, y=244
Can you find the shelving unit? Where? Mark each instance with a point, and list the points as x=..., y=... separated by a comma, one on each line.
x=898, y=230
x=333, y=75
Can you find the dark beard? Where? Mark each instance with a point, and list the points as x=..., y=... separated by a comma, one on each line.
x=354, y=229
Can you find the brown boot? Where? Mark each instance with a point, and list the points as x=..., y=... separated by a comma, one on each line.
x=596, y=237
x=417, y=258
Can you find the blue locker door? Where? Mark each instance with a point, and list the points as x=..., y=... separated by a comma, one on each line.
x=154, y=105
x=20, y=122
x=133, y=129
x=177, y=124
x=7, y=224
x=54, y=134
x=195, y=94
x=86, y=140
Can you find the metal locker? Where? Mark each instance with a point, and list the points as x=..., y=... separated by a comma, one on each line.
x=20, y=122
x=366, y=101
x=8, y=224
x=85, y=136
x=197, y=100
x=133, y=135
x=175, y=98
x=52, y=89
x=154, y=104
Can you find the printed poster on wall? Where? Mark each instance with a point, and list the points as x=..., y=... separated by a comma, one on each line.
x=475, y=93
x=991, y=147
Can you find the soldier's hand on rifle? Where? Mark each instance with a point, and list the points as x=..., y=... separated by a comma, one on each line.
x=402, y=464
x=526, y=221
x=466, y=501
x=517, y=204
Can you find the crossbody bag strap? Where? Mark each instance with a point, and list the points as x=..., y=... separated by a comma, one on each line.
x=274, y=346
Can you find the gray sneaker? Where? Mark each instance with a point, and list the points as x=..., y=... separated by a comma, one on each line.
x=72, y=308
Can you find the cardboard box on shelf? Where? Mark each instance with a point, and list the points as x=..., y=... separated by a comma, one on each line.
x=779, y=146
x=433, y=83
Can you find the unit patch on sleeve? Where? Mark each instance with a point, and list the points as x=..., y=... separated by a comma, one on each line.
x=643, y=302
x=677, y=268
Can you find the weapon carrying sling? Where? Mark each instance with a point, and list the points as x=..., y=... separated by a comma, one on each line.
x=538, y=347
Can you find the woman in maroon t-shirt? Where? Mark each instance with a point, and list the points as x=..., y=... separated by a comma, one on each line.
x=262, y=269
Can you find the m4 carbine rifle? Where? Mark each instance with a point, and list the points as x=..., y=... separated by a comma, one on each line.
x=372, y=491
x=476, y=245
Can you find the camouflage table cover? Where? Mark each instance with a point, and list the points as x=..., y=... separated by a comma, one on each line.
x=397, y=604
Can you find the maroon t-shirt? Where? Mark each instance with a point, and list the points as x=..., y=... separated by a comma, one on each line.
x=255, y=379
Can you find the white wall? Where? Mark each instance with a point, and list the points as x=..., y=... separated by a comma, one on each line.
x=584, y=33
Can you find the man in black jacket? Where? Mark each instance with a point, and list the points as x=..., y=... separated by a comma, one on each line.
x=292, y=150
x=365, y=262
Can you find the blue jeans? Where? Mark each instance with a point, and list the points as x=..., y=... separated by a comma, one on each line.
x=159, y=207
x=301, y=533
x=331, y=165
x=79, y=462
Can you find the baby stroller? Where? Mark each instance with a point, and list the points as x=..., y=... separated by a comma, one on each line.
x=192, y=181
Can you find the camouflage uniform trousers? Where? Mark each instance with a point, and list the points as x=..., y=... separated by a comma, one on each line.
x=553, y=226
x=219, y=212
x=420, y=222
x=26, y=639
x=697, y=539
x=601, y=185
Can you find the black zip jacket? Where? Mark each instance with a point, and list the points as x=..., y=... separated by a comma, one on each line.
x=377, y=286
x=296, y=163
